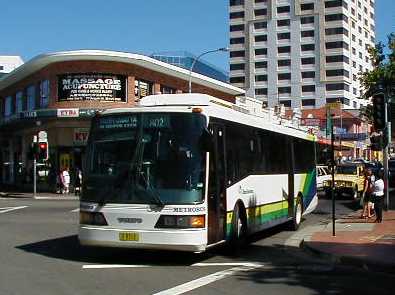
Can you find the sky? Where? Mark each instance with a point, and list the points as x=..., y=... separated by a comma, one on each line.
x=32, y=27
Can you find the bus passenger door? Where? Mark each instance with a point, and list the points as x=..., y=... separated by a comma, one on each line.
x=216, y=186
x=291, y=178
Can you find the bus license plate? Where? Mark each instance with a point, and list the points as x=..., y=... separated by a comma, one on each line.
x=129, y=236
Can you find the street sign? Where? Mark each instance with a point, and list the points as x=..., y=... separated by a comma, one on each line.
x=42, y=136
x=333, y=106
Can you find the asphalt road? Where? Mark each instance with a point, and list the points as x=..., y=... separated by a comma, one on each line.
x=40, y=254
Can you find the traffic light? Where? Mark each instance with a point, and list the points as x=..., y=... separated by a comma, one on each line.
x=379, y=111
x=42, y=152
x=378, y=142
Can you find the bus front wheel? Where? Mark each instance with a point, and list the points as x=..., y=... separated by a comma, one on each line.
x=239, y=228
x=297, y=217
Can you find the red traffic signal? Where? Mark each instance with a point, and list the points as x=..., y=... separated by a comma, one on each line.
x=42, y=151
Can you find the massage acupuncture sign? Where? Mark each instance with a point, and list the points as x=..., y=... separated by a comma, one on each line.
x=92, y=86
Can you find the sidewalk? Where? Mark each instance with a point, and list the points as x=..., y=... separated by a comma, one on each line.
x=39, y=196
x=358, y=242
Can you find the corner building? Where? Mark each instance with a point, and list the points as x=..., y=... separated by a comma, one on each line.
x=60, y=92
x=301, y=53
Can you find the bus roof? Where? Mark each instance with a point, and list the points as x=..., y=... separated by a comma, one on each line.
x=247, y=111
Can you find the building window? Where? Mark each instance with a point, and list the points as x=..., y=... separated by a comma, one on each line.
x=261, y=38
x=336, y=3
x=308, y=102
x=44, y=93
x=336, y=44
x=236, y=28
x=236, y=2
x=308, y=88
x=308, y=60
x=307, y=47
x=284, y=62
x=239, y=40
x=337, y=58
x=142, y=88
x=286, y=103
x=284, y=76
x=337, y=31
x=167, y=90
x=307, y=33
x=8, y=107
x=337, y=86
x=260, y=12
x=236, y=67
x=260, y=78
x=260, y=25
x=284, y=49
x=19, y=102
x=283, y=9
x=260, y=91
x=1, y=68
x=237, y=79
x=310, y=74
x=31, y=97
x=261, y=51
x=282, y=36
x=260, y=1
x=339, y=72
x=283, y=90
x=238, y=14
x=307, y=20
x=307, y=6
x=283, y=22
x=239, y=53
x=336, y=17
x=261, y=64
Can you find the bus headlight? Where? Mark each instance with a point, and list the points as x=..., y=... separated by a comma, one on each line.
x=92, y=218
x=181, y=221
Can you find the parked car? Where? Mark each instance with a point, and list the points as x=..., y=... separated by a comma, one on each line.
x=349, y=179
x=323, y=174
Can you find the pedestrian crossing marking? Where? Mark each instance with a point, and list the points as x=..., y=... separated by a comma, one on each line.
x=9, y=209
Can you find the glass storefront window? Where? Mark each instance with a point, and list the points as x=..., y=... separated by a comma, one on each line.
x=44, y=93
x=19, y=102
x=167, y=90
x=31, y=98
x=8, y=106
x=142, y=88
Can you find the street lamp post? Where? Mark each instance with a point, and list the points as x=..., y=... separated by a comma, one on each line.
x=197, y=58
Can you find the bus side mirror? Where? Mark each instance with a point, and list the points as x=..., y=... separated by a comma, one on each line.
x=206, y=141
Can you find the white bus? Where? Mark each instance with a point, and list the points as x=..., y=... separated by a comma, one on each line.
x=189, y=171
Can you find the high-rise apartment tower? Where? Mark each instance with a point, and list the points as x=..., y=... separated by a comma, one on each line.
x=301, y=53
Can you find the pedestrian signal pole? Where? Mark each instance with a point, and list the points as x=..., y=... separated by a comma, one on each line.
x=34, y=144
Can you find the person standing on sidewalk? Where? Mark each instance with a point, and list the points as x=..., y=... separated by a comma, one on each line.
x=378, y=196
x=66, y=181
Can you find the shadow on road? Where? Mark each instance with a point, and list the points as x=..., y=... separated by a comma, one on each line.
x=68, y=248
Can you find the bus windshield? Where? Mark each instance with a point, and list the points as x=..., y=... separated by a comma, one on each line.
x=146, y=158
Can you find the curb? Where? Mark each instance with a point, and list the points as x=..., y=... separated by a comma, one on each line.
x=348, y=260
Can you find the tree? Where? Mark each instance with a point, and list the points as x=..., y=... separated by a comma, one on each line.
x=383, y=72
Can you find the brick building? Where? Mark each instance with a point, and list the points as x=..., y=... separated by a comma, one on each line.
x=60, y=92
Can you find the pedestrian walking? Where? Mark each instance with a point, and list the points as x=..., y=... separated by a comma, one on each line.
x=378, y=197
x=367, y=194
x=77, y=181
x=65, y=176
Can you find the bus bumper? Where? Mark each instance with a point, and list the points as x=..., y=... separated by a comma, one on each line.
x=194, y=240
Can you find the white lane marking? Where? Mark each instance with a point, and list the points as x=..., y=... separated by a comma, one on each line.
x=75, y=210
x=8, y=209
x=200, y=264
x=246, y=264
x=203, y=281
x=101, y=266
